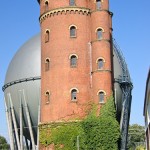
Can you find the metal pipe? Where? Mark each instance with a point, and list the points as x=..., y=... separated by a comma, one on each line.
x=27, y=146
x=90, y=53
x=38, y=121
x=9, y=126
x=14, y=121
x=21, y=126
x=29, y=121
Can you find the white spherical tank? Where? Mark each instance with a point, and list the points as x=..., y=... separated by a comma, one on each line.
x=22, y=87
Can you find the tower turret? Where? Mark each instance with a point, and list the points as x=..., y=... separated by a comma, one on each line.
x=101, y=50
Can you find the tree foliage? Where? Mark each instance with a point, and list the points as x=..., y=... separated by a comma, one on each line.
x=3, y=143
x=136, y=136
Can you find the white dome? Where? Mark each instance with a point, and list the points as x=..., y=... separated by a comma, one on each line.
x=26, y=62
x=23, y=79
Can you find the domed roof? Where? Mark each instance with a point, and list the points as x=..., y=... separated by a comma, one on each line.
x=26, y=62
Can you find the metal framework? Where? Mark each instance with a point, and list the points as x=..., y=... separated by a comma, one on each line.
x=126, y=86
x=15, y=133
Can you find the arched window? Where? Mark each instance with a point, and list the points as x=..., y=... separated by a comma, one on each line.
x=100, y=63
x=72, y=31
x=99, y=33
x=101, y=96
x=47, y=96
x=46, y=5
x=47, y=34
x=71, y=2
x=73, y=61
x=98, y=4
x=47, y=64
x=74, y=95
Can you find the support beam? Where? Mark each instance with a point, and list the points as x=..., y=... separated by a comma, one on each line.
x=21, y=126
x=27, y=145
x=125, y=116
x=39, y=114
x=9, y=123
x=29, y=121
x=14, y=121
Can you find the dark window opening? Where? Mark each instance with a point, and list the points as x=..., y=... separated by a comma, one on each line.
x=74, y=94
x=72, y=2
x=73, y=31
x=46, y=5
x=101, y=97
x=73, y=61
x=47, y=64
x=99, y=34
x=47, y=36
x=47, y=97
x=98, y=4
x=100, y=63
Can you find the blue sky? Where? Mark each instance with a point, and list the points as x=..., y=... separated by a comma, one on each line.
x=131, y=24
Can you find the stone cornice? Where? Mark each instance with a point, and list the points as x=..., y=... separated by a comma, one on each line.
x=100, y=10
x=106, y=40
x=52, y=12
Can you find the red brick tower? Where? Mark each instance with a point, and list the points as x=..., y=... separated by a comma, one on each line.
x=76, y=57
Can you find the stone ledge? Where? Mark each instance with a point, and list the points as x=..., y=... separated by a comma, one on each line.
x=65, y=10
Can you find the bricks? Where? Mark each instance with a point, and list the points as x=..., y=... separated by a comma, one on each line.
x=61, y=78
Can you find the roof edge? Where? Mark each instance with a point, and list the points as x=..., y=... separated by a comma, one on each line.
x=148, y=78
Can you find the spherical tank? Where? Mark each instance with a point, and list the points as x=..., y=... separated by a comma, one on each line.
x=22, y=83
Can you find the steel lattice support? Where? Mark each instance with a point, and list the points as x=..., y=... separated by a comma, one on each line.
x=126, y=87
x=125, y=115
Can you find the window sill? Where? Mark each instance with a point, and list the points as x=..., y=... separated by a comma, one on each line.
x=73, y=66
x=47, y=102
x=101, y=102
x=74, y=101
x=72, y=36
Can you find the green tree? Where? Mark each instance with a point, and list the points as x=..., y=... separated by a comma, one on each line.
x=136, y=136
x=3, y=143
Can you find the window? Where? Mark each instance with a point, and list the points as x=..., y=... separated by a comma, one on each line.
x=72, y=31
x=100, y=63
x=101, y=96
x=74, y=95
x=46, y=5
x=47, y=36
x=73, y=61
x=99, y=34
x=47, y=64
x=98, y=4
x=71, y=2
x=47, y=97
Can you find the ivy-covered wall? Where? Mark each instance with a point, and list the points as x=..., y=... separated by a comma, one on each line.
x=100, y=132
